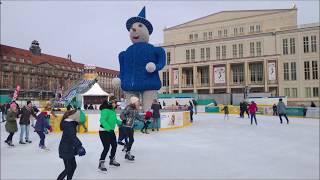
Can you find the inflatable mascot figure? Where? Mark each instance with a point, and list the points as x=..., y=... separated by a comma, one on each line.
x=140, y=63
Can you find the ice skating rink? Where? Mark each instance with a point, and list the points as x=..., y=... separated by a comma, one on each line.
x=210, y=148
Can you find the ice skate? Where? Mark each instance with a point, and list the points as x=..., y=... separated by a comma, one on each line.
x=113, y=162
x=129, y=157
x=101, y=166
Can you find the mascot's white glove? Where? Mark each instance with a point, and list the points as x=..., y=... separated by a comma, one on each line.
x=150, y=67
x=116, y=82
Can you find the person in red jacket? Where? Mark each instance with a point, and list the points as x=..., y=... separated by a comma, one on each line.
x=146, y=121
x=252, y=110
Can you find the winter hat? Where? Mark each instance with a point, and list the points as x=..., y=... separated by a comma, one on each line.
x=13, y=105
x=140, y=18
x=134, y=100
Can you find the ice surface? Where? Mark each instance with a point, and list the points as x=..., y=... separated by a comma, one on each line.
x=210, y=148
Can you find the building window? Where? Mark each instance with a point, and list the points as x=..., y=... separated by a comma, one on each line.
x=168, y=58
x=240, y=50
x=286, y=71
x=284, y=46
x=224, y=52
x=258, y=44
x=257, y=28
x=188, y=55
x=205, y=36
x=293, y=71
x=315, y=92
x=234, y=51
x=292, y=46
x=195, y=37
x=308, y=92
x=193, y=55
x=241, y=30
x=202, y=53
x=210, y=35
x=287, y=92
x=314, y=69
x=235, y=31
x=313, y=44
x=237, y=73
x=294, y=92
x=219, y=33
x=5, y=81
x=208, y=53
x=225, y=33
x=191, y=37
x=251, y=29
x=251, y=48
x=306, y=70
x=305, y=44
x=256, y=72
x=165, y=79
x=218, y=52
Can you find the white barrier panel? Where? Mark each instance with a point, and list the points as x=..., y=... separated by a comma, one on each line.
x=171, y=119
x=201, y=108
x=313, y=112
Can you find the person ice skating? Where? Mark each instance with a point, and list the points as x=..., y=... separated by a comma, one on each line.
x=313, y=104
x=274, y=109
x=242, y=109
x=245, y=107
x=253, y=109
x=190, y=109
x=41, y=125
x=155, y=115
x=195, y=106
x=108, y=122
x=282, y=111
x=11, y=123
x=70, y=145
x=48, y=111
x=146, y=122
x=130, y=115
x=26, y=112
x=226, y=112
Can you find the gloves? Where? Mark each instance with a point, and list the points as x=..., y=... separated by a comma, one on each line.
x=81, y=151
x=50, y=129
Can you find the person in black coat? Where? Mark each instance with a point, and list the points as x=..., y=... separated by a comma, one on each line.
x=24, y=122
x=70, y=145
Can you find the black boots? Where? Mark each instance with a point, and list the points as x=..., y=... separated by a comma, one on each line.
x=9, y=142
x=129, y=156
x=113, y=162
x=101, y=165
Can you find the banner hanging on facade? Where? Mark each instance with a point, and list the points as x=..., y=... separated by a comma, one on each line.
x=271, y=71
x=175, y=77
x=219, y=75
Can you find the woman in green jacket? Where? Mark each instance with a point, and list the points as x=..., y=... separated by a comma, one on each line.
x=108, y=121
x=11, y=124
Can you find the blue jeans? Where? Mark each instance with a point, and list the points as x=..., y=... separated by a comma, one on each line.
x=253, y=116
x=24, y=129
x=42, y=137
x=155, y=122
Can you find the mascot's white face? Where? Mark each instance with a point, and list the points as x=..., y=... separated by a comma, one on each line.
x=139, y=33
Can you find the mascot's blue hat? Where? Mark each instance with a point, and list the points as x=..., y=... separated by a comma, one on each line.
x=140, y=18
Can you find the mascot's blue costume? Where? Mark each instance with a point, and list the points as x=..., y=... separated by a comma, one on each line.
x=140, y=63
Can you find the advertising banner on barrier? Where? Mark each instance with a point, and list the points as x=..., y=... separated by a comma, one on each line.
x=171, y=119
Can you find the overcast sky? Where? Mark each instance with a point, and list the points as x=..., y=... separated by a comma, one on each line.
x=94, y=32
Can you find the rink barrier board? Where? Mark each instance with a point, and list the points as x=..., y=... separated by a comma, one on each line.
x=181, y=119
x=55, y=123
x=264, y=110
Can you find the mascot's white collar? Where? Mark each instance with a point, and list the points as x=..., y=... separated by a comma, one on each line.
x=38, y=113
